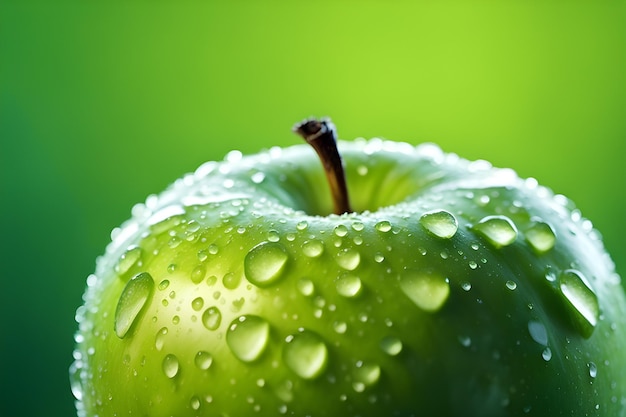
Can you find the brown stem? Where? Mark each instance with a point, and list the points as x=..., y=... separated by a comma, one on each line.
x=322, y=136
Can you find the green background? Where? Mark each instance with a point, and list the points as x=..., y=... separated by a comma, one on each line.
x=102, y=104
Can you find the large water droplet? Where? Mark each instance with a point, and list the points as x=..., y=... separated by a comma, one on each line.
x=427, y=289
x=127, y=260
x=306, y=354
x=391, y=345
x=538, y=332
x=349, y=285
x=203, y=360
x=383, y=226
x=265, y=263
x=247, y=337
x=341, y=230
x=198, y=273
x=159, y=340
x=313, y=248
x=170, y=365
x=348, y=259
x=498, y=230
x=365, y=375
x=134, y=297
x=212, y=318
x=541, y=236
x=306, y=287
x=440, y=223
x=230, y=280
x=581, y=301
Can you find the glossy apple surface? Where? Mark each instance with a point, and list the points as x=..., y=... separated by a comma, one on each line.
x=453, y=289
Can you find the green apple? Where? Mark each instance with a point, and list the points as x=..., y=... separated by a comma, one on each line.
x=441, y=287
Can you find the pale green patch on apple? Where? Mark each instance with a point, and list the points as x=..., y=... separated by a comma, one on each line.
x=442, y=287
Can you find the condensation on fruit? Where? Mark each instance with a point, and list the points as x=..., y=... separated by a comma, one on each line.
x=159, y=340
x=265, y=263
x=313, y=248
x=248, y=337
x=349, y=285
x=365, y=375
x=212, y=318
x=133, y=299
x=440, y=223
x=203, y=360
x=306, y=354
x=541, y=236
x=348, y=259
x=128, y=259
x=498, y=230
x=581, y=300
x=392, y=346
x=170, y=365
x=427, y=289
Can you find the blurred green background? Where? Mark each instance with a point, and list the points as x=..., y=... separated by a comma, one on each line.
x=102, y=104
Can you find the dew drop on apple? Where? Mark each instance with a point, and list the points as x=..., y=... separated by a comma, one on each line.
x=349, y=285
x=541, y=236
x=341, y=230
x=203, y=360
x=365, y=375
x=581, y=301
x=546, y=354
x=248, y=337
x=194, y=403
x=197, y=303
x=313, y=248
x=198, y=273
x=133, y=299
x=440, y=223
x=498, y=230
x=348, y=259
x=230, y=280
x=265, y=263
x=392, y=346
x=306, y=354
x=305, y=287
x=159, y=340
x=383, y=226
x=428, y=290
x=128, y=259
x=212, y=318
x=170, y=365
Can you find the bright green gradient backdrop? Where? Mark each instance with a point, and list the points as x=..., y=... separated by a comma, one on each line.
x=103, y=104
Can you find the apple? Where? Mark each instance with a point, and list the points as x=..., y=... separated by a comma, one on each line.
x=414, y=283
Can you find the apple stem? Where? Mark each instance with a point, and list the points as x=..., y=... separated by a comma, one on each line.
x=322, y=136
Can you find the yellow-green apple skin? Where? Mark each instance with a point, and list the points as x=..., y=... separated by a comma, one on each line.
x=453, y=289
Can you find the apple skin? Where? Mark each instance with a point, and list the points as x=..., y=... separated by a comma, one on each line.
x=371, y=313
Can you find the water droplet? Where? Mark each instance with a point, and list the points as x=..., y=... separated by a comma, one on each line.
x=203, y=360
x=170, y=365
x=465, y=341
x=258, y=177
x=498, y=230
x=265, y=263
x=341, y=230
x=365, y=375
x=511, y=285
x=541, y=236
x=348, y=259
x=593, y=369
x=349, y=285
x=212, y=318
x=466, y=286
x=440, y=223
x=313, y=248
x=164, y=284
x=391, y=345
x=231, y=280
x=127, y=260
x=340, y=327
x=213, y=249
x=428, y=290
x=472, y=264
x=198, y=273
x=247, y=337
x=306, y=287
x=581, y=301
x=383, y=226
x=197, y=303
x=358, y=226
x=159, y=340
x=133, y=299
x=538, y=332
x=306, y=354
x=194, y=403
x=546, y=354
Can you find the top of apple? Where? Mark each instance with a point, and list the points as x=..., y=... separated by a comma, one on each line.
x=437, y=268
